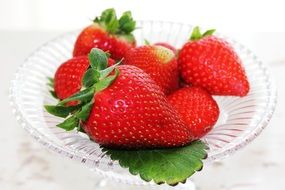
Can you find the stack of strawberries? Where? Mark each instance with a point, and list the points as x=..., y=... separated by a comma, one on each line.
x=151, y=96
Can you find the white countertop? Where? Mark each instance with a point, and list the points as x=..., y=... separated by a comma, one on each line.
x=26, y=165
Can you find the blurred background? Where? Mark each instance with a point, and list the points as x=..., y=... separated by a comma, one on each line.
x=26, y=24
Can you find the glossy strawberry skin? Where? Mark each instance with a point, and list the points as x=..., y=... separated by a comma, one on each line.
x=164, y=73
x=212, y=63
x=95, y=36
x=196, y=108
x=120, y=47
x=68, y=77
x=67, y=80
x=134, y=113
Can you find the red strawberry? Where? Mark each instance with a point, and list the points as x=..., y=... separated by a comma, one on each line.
x=167, y=45
x=107, y=33
x=128, y=109
x=159, y=62
x=197, y=109
x=210, y=62
x=134, y=113
x=68, y=77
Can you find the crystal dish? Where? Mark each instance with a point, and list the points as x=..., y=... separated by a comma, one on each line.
x=241, y=119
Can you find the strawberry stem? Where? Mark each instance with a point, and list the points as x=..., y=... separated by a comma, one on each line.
x=127, y=23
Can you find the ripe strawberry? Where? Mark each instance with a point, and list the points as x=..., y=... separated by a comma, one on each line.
x=159, y=62
x=68, y=77
x=128, y=109
x=210, y=62
x=167, y=45
x=107, y=33
x=134, y=113
x=197, y=109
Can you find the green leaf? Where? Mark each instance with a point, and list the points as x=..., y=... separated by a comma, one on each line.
x=60, y=111
x=109, y=20
x=98, y=59
x=79, y=128
x=169, y=166
x=96, y=20
x=208, y=32
x=85, y=111
x=90, y=77
x=50, y=82
x=104, y=83
x=196, y=34
x=83, y=96
x=146, y=42
x=127, y=23
x=69, y=124
x=53, y=94
x=108, y=70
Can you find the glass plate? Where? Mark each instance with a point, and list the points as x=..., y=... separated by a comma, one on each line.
x=241, y=119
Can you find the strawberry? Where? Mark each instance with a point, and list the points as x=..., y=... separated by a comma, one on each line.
x=159, y=62
x=122, y=107
x=68, y=77
x=137, y=116
x=107, y=33
x=210, y=62
x=167, y=45
x=197, y=109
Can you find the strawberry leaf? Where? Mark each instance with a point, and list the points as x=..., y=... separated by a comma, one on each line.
x=209, y=32
x=69, y=124
x=104, y=83
x=98, y=59
x=60, y=111
x=196, y=33
x=109, y=20
x=83, y=96
x=51, y=85
x=171, y=166
x=108, y=70
x=90, y=77
x=79, y=128
x=127, y=23
x=53, y=94
x=50, y=82
x=85, y=111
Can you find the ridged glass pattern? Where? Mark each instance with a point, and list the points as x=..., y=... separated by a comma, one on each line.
x=241, y=119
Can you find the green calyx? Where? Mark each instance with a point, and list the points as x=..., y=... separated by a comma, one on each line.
x=196, y=33
x=125, y=25
x=97, y=78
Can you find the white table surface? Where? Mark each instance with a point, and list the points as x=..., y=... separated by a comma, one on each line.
x=26, y=165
